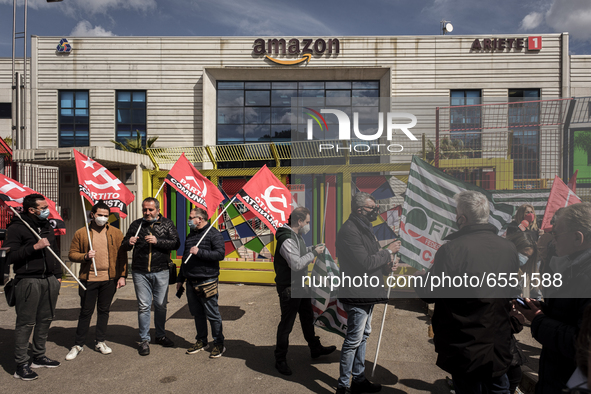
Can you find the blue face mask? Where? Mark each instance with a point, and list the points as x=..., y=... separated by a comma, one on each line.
x=150, y=220
x=192, y=225
x=522, y=259
x=44, y=214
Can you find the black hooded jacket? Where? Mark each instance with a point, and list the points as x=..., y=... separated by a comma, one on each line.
x=206, y=263
x=28, y=262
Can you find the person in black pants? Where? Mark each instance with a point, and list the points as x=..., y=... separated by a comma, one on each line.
x=37, y=275
x=111, y=271
x=291, y=263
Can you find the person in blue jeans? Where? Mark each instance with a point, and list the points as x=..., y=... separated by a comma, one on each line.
x=360, y=255
x=204, y=248
x=157, y=237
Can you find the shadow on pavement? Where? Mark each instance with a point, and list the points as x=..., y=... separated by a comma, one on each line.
x=439, y=386
x=229, y=313
x=262, y=360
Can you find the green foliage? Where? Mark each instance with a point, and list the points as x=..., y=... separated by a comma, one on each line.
x=583, y=141
x=135, y=144
x=448, y=149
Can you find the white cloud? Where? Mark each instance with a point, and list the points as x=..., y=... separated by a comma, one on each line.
x=85, y=29
x=531, y=21
x=91, y=7
x=263, y=17
x=573, y=16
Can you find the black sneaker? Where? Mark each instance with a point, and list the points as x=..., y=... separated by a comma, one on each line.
x=365, y=386
x=343, y=390
x=218, y=350
x=24, y=372
x=197, y=347
x=283, y=368
x=322, y=351
x=144, y=348
x=165, y=342
x=44, y=362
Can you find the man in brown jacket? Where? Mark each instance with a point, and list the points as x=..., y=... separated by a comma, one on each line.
x=111, y=267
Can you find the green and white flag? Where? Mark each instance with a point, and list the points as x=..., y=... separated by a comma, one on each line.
x=328, y=311
x=537, y=198
x=429, y=212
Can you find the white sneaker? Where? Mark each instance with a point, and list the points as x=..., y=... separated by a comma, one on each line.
x=103, y=348
x=74, y=352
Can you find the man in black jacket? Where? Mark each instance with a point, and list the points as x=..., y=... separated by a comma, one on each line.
x=472, y=328
x=556, y=322
x=360, y=256
x=291, y=261
x=38, y=275
x=151, y=254
x=201, y=272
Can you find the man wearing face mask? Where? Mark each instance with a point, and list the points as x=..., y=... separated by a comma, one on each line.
x=201, y=272
x=157, y=237
x=38, y=275
x=111, y=266
x=291, y=261
x=360, y=256
x=555, y=323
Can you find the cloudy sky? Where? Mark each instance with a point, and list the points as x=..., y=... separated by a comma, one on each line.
x=298, y=18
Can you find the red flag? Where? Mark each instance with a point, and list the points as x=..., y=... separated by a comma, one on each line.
x=185, y=178
x=572, y=183
x=267, y=198
x=97, y=183
x=12, y=194
x=560, y=196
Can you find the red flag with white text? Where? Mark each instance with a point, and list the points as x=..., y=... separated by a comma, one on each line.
x=97, y=183
x=560, y=196
x=185, y=178
x=12, y=194
x=267, y=198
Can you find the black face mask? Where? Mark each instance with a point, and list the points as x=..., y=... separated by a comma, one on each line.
x=371, y=215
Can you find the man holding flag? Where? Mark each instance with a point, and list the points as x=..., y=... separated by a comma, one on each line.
x=38, y=275
x=152, y=238
x=291, y=261
x=204, y=248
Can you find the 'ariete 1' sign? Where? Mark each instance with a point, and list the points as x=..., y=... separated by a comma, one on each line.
x=534, y=43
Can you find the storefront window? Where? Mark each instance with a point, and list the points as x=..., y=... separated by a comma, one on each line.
x=465, y=121
x=131, y=115
x=524, y=116
x=73, y=118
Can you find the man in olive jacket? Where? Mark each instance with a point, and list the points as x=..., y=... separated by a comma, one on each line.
x=471, y=325
x=203, y=267
x=38, y=275
x=111, y=266
x=359, y=255
x=158, y=236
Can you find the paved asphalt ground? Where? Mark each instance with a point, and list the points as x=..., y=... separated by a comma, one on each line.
x=250, y=314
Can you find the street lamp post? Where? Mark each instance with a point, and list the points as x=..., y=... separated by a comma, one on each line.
x=19, y=124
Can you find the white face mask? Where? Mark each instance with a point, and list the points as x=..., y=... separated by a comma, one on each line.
x=304, y=230
x=101, y=220
x=522, y=259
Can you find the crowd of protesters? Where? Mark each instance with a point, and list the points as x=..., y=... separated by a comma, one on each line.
x=474, y=335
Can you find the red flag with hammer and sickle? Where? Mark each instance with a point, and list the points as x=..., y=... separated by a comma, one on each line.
x=267, y=198
x=97, y=183
x=12, y=194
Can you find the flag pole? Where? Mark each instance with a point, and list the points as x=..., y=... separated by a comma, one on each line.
x=325, y=208
x=88, y=234
x=216, y=219
x=159, y=190
x=49, y=247
x=375, y=361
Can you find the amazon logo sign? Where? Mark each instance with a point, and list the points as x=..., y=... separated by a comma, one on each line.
x=304, y=49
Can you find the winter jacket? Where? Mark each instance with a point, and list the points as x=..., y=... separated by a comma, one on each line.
x=359, y=254
x=117, y=255
x=472, y=335
x=206, y=263
x=28, y=262
x=147, y=257
x=557, y=328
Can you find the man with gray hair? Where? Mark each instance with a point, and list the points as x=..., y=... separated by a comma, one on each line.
x=472, y=329
x=157, y=237
x=555, y=323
